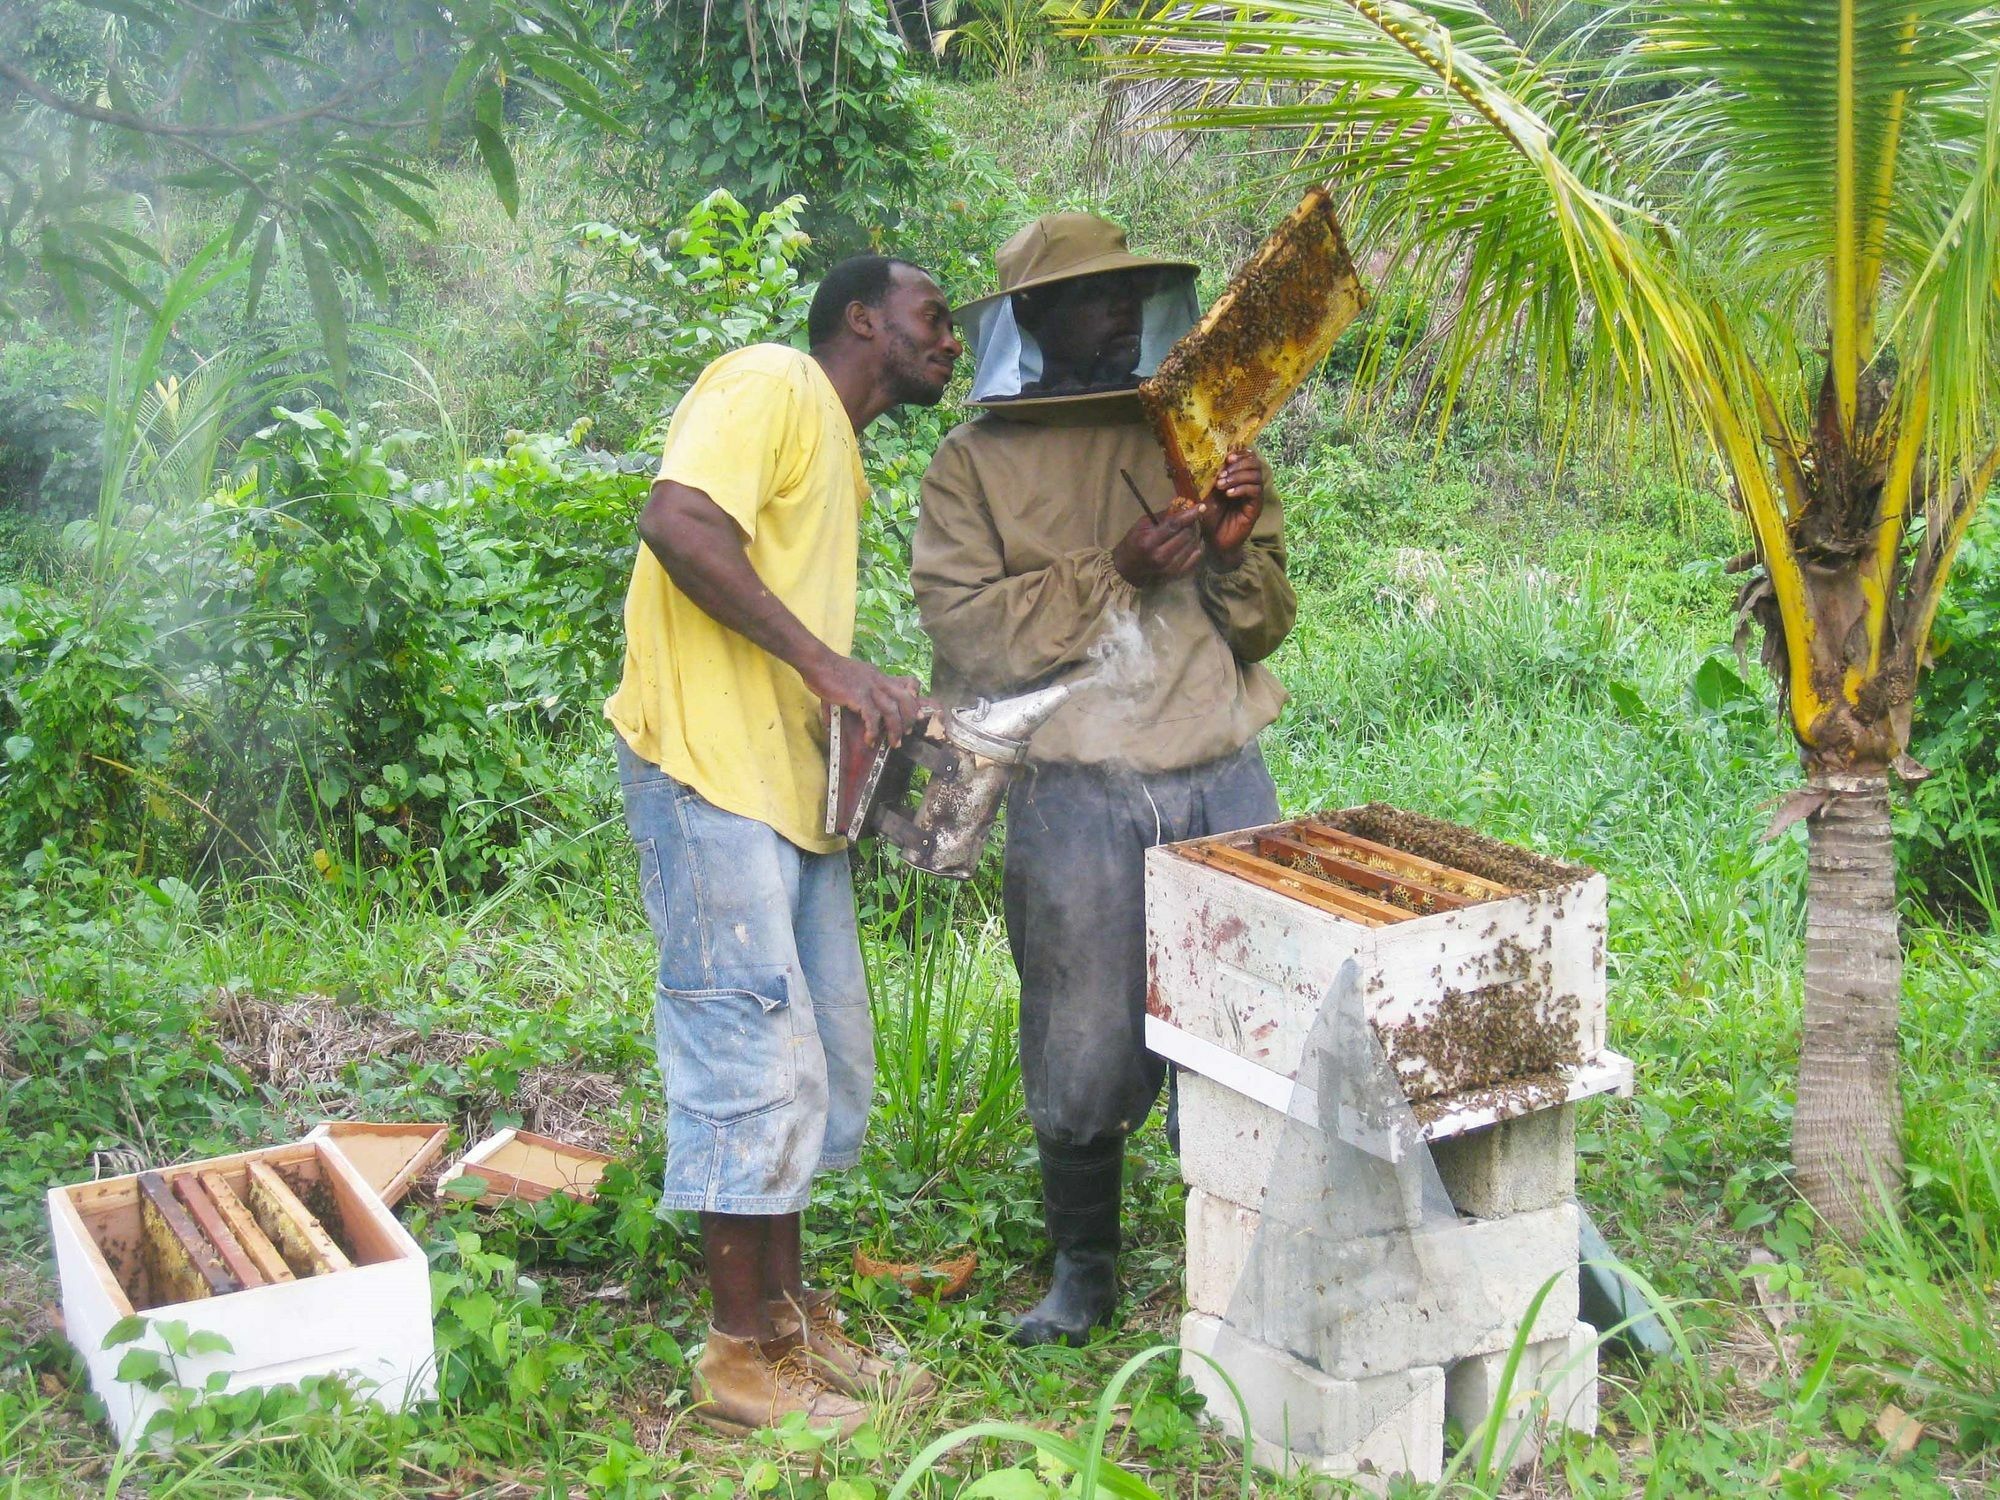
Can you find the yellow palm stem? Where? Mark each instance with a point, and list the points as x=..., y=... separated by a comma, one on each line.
x=1783, y=443
x=1774, y=547
x=1976, y=485
x=1879, y=578
x=1876, y=233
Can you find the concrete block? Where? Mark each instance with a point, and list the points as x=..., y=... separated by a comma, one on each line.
x=1229, y=1142
x=1514, y=1167
x=1356, y=1305
x=1554, y=1385
x=1302, y=1418
x=1245, y=1152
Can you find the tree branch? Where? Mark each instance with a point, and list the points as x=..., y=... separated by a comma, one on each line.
x=235, y=171
x=147, y=125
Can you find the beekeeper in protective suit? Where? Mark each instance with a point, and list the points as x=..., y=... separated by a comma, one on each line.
x=1033, y=555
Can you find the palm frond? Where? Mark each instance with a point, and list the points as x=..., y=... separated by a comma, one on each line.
x=1944, y=318
x=1817, y=149
x=1465, y=160
x=1779, y=217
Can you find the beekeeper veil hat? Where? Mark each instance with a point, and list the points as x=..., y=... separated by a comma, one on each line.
x=1025, y=358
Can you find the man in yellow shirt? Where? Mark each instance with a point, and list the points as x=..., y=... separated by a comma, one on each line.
x=738, y=625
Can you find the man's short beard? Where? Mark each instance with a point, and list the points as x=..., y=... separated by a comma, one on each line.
x=909, y=391
x=907, y=383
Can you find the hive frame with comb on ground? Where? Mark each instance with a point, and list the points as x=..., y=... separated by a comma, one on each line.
x=369, y=1321
x=1479, y=969
x=1229, y=375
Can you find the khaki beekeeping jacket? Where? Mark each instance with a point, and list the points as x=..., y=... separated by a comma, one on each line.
x=1015, y=585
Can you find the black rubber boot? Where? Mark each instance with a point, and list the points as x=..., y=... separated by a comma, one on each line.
x=1082, y=1187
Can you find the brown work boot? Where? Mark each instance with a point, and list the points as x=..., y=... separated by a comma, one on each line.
x=845, y=1364
x=739, y=1387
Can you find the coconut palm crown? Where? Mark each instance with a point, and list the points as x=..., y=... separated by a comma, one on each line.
x=1775, y=224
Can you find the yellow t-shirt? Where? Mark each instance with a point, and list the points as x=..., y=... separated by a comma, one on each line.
x=763, y=435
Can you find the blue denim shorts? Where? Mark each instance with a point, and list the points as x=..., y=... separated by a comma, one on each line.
x=760, y=1014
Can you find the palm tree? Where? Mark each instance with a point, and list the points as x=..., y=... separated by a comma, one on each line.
x=1771, y=224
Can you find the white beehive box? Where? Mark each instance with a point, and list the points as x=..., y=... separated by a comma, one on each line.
x=1485, y=1010
x=370, y=1323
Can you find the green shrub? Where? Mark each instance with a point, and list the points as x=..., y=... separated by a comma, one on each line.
x=371, y=693
x=86, y=731
x=48, y=447
x=804, y=97
x=1950, y=824
x=658, y=309
x=329, y=657
x=396, y=656
x=550, y=523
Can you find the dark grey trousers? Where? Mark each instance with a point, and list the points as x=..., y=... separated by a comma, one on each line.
x=1074, y=892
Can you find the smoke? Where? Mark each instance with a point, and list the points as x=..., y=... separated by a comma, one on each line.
x=1123, y=662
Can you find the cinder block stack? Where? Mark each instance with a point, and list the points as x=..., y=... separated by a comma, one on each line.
x=1355, y=1298
x=1372, y=1390
x=1513, y=1172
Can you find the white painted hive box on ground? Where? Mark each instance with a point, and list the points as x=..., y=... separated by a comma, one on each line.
x=1481, y=966
x=370, y=1322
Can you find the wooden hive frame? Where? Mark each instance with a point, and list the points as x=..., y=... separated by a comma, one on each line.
x=1342, y=873
x=105, y=1216
x=1232, y=372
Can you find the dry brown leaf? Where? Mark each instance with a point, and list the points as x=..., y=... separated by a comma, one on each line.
x=1898, y=1430
x=1797, y=1461
x=1792, y=808
x=1778, y=1312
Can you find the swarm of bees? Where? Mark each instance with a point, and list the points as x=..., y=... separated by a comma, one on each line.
x=1233, y=370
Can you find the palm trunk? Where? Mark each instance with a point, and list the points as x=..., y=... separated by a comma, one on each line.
x=1846, y=1132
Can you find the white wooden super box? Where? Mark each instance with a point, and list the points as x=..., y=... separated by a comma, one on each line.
x=370, y=1323
x=1485, y=1009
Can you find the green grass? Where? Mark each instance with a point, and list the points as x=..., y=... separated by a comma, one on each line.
x=1538, y=706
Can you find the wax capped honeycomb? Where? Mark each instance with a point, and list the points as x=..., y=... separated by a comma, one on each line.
x=1233, y=370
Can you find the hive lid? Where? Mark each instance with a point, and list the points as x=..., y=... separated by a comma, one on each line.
x=389, y=1157
x=518, y=1165
x=1230, y=374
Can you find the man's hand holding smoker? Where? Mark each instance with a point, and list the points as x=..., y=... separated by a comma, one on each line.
x=888, y=707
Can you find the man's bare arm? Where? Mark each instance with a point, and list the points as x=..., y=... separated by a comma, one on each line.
x=702, y=551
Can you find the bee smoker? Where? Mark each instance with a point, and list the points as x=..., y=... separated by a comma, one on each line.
x=957, y=764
